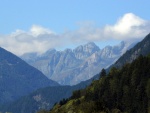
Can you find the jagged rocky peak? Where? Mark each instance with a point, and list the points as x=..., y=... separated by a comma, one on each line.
x=84, y=51
x=94, y=58
x=119, y=47
x=50, y=51
x=90, y=47
x=29, y=56
x=121, y=44
x=107, y=52
x=67, y=51
x=69, y=67
x=117, y=50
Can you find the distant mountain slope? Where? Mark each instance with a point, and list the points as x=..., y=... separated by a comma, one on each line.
x=17, y=78
x=70, y=67
x=141, y=48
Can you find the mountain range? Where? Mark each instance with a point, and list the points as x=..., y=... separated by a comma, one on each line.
x=70, y=67
x=17, y=78
x=46, y=97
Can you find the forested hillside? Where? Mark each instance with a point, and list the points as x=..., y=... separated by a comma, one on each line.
x=125, y=90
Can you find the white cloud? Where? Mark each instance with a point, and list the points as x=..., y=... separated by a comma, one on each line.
x=21, y=42
x=39, y=39
x=127, y=27
x=38, y=30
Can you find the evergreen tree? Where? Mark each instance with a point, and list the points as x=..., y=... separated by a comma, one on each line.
x=103, y=73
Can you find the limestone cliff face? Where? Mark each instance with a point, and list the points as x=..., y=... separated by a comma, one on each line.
x=70, y=67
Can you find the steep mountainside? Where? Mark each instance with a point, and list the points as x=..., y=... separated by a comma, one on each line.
x=125, y=90
x=17, y=78
x=141, y=48
x=70, y=67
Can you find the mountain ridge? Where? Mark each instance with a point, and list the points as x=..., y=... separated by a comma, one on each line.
x=140, y=48
x=17, y=78
x=70, y=66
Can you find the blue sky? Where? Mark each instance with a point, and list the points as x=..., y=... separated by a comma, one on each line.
x=58, y=17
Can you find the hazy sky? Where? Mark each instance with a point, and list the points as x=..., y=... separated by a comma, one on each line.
x=37, y=25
